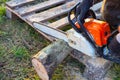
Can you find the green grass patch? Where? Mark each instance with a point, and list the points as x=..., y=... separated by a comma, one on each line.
x=2, y=7
x=2, y=10
x=3, y=1
x=115, y=70
x=59, y=73
x=16, y=53
x=2, y=51
x=20, y=52
x=2, y=33
x=66, y=28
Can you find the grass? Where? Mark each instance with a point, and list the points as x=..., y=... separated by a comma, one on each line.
x=2, y=10
x=20, y=52
x=59, y=73
x=115, y=71
x=19, y=42
x=15, y=54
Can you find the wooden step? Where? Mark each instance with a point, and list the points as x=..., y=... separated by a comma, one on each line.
x=15, y=3
x=60, y=23
x=51, y=13
x=40, y=6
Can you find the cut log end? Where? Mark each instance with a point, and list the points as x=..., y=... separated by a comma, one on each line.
x=40, y=69
x=46, y=60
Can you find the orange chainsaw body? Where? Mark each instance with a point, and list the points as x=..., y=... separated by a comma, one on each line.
x=100, y=30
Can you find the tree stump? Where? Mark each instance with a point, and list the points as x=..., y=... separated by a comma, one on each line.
x=49, y=58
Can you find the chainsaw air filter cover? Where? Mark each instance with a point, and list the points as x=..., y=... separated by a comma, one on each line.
x=99, y=30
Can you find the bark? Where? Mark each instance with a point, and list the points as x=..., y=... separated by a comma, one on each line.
x=96, y=68
x=49, y=58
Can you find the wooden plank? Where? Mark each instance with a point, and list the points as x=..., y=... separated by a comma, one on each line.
x=40, y=6
x=51, y=13
x=60, y=23
x=64, y=21
x=46, y=36
x=15, y=3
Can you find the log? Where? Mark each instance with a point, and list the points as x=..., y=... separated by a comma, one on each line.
x=96, y=68
x=46, y=61
x=49, y=58
x=73, y=72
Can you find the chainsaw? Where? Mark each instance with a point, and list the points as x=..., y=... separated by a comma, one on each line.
x=89, y=35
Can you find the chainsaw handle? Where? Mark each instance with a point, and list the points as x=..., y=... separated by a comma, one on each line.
x=81, y=10
x=69, y=17
x=77, y=11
